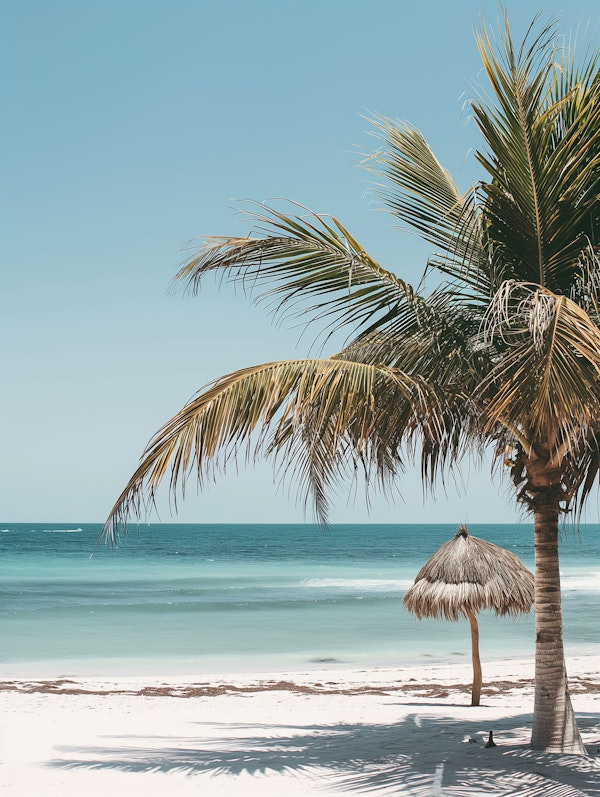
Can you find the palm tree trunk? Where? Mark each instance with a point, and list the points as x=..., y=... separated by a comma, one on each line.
x=477, y=678
x=554, y=726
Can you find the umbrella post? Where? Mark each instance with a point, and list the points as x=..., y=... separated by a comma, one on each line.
x=477, y=677
x=465, y=576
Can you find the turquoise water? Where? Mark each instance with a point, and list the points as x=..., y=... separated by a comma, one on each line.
x=234, y=598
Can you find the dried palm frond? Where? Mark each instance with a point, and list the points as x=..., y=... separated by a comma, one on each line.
x=470, y=574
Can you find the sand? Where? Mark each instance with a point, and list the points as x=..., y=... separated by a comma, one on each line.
x=408, y=731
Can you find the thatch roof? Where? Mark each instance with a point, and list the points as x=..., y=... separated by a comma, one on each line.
x=469, y=574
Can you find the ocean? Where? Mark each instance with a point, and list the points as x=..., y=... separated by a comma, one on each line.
x=193, y=599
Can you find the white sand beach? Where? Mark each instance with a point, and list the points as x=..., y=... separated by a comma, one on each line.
x=409, y=731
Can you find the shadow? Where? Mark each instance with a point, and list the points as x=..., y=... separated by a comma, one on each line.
x=421, y=756
x=441, y=704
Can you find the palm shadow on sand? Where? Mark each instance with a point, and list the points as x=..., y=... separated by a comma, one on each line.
x=422, y=756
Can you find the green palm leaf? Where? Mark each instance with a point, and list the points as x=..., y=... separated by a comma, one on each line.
x=448, y=350
x=296, y=258
x=422, y=194
x=541, y=130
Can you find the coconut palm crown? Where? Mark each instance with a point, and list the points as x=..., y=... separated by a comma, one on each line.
x=503, y=355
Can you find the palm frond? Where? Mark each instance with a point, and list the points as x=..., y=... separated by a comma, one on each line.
x=541, y=130
x=585, y=286
x=584, y=469
x=548, y=379
x=329, y=409
x=315, y=462
x=295, y=258
x=422, y=194
x=448, y=357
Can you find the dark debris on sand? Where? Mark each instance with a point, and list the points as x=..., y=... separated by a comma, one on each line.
x=66, y=686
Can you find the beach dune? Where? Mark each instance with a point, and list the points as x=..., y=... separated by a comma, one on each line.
x=402, y=732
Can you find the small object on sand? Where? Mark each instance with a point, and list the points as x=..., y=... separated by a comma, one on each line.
x=490, y=742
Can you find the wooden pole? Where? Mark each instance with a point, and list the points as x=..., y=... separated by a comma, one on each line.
x=476, y=690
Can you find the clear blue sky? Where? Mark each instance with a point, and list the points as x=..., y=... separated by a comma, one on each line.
x=129, y=127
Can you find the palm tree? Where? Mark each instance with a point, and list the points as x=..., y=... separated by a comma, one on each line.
x=503, y=355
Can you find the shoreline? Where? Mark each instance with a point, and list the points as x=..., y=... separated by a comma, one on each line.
x=499, y=675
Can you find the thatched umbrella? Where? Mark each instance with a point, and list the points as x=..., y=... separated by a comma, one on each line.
x=465, y=576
